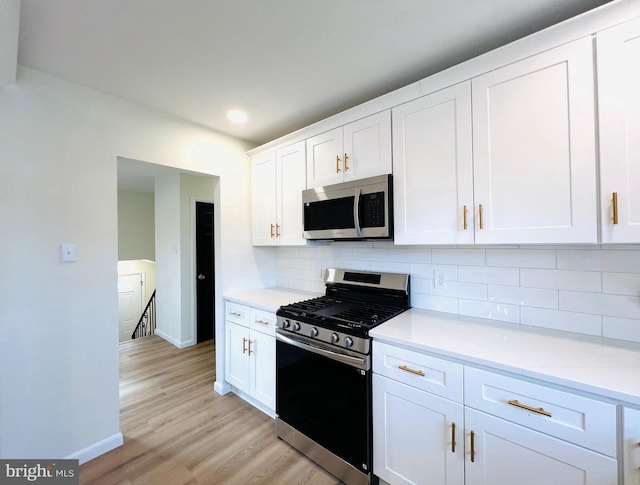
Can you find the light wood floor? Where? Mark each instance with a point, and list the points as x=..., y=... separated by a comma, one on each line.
x=177, y=430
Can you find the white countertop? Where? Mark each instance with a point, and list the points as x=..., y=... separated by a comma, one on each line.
x=268, y=299
x=607, y=367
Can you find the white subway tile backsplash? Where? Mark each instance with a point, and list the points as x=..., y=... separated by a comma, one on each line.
x=561, y=320
x=471, y=257
x=493, y=311
x=517, y=295
x=581, y=289
x=522, y=258
x=561, y=280
x=602, y=304
x=621, y=283
x=621, y=328
x=486, y=274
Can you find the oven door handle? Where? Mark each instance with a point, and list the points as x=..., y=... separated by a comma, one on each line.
x=362, y=363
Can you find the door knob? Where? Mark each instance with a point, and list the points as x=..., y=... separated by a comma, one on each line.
x=201, y=276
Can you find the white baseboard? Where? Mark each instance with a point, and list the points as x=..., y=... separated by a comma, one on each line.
x=174, y=342
x=97, y=449
x=222, y=388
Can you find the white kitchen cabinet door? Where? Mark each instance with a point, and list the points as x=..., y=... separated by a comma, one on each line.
x=367, y=147
x=418, y=438
x=263, y=368
x=237, y=368
x=433, y=168
x=290, y=182
x=534, y=149
x=631, y=445
x=263, y=199
x=618, y=51
x=504, y=453
x=324, y=158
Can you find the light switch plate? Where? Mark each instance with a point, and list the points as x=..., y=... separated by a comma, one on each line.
x=68, y=252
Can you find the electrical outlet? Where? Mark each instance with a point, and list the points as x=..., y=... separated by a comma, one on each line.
x=439, y=278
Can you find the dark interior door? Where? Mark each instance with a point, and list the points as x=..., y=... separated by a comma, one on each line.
x=204, y=271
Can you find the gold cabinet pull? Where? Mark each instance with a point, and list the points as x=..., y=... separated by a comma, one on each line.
x=338, y=163
x=473, y=446
x=409, y=369
x=514, y=402
x=277, y=230
x=614, y=202
x=236, y=314
x=262, y=322
x=249, y=346
x=271, y=231
x=453, y=437
x=244, y=345
x=346, y=157
x=480, y=216
x=464, y=217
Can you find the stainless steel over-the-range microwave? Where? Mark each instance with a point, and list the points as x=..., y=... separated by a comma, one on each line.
x=358, y=209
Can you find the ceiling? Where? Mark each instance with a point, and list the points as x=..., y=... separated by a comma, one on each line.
x=288, y=63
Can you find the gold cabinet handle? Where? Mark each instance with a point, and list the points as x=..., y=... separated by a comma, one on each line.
x=464, y=217
x=236, y=314
x=244, y=345
x=249, y=346
x=453, y=437
x=346, y=157
x=409, y=369
x=262, y=322
x=338, y=163
x=614, y=202
x=480, y=216
x=271, y=231
x=277, y=230
x=514, y=402
x=473, y=446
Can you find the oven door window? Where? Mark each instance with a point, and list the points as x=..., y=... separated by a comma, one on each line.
x=327, y=401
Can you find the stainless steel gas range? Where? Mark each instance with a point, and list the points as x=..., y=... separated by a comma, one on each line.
x=323, y=369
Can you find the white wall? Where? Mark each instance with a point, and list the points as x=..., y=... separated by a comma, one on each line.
x=136, y=225
x=59, y=322
x=9, y=32
x=588, y=290
x=146, y=268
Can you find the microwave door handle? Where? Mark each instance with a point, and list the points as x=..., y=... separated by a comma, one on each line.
x=356, y=212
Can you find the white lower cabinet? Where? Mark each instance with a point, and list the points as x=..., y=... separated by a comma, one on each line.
x=500, y=452
x=505, y=430
x=250, y=355
x=631, y=445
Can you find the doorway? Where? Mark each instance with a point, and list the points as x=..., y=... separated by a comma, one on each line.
x=130, y=303
x=205, y=281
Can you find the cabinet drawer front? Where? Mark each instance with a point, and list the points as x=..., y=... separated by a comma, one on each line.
x=262, y=321
x=581, y=420
x=236, y=313
x=430, y=374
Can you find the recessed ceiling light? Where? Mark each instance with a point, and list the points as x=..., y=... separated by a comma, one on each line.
x=237, y=116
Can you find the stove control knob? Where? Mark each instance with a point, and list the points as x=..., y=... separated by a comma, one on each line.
x=313, y=332
x=334, y=338
x=348, y=342
x=285, y=324
x=296, y=326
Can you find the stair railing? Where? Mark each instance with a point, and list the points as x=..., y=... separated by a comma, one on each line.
x=147, y=323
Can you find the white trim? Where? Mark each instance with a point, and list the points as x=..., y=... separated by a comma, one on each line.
x=95, y=450
x=222, y=387
x=174, y=342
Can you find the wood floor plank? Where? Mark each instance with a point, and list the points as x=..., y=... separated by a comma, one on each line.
x=178, y=431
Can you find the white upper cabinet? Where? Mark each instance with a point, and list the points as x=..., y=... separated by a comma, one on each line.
x=433, y=168
x=618, y=54
x=358, y=150
x=534, y=149
x=277, y=182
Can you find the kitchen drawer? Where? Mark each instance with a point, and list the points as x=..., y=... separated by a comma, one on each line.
x=236, y=313
x=430, y=374
x=262, y=321
x=581, y=420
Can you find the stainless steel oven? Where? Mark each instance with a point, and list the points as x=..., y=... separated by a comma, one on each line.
x=323, y=369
